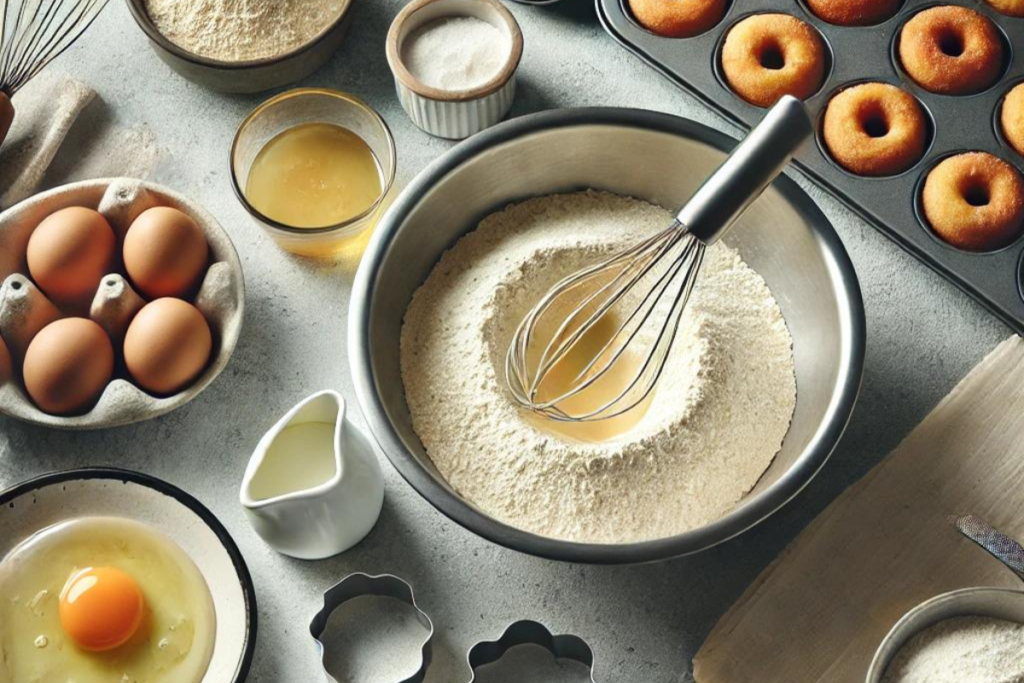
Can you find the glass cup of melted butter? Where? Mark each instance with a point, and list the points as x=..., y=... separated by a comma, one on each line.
x=313, y=167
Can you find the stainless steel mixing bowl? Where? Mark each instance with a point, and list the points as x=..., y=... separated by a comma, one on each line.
x=662, y=159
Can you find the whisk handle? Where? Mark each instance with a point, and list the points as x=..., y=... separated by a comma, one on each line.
x=6, y=115
x=748, y=170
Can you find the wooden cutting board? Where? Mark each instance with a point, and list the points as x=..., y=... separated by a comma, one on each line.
x=817, y=614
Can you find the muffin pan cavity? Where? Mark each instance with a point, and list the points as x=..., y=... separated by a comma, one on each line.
x=929, y=121
x=860, y=54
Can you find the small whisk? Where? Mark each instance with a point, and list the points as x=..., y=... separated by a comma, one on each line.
x=613, y=324
x=32, y=34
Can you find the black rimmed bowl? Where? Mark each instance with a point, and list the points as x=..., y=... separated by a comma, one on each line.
x=49, y=499
x=656, y=157
x=249, y=76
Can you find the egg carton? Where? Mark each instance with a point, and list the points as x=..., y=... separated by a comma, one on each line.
x=24, y=309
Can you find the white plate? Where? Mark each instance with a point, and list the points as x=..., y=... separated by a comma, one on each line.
x=52, y=498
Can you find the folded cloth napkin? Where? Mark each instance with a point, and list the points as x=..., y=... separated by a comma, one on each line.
x=818, y=614
x=45, y=147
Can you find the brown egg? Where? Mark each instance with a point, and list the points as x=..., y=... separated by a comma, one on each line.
x=167, y=345
x=69, y=252
x=67, y=366
x=165, y=253
x=5, y=363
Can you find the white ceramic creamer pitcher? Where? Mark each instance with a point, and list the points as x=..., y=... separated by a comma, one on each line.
x=313, y=487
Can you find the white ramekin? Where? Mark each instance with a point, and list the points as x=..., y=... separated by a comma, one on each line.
x=447, y=114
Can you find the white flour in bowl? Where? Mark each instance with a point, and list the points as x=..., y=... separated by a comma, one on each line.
x=962, y=650
x=717, y=419
x=242, y=30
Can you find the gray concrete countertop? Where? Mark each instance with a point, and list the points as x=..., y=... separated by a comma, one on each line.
x=645, y=622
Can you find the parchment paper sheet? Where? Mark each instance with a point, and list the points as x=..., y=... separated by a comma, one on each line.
x=819, y=612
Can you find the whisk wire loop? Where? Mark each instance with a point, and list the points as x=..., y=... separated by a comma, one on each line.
x=587, y=376
x=653, y=366
x=657, y=262
x=623, y=281
x=516, y=359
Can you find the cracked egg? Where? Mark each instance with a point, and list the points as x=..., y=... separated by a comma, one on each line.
x=101, y=599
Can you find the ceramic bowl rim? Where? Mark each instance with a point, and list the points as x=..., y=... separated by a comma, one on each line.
x=740, y=519
x=15, y=491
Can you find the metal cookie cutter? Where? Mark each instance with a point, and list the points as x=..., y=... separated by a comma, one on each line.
x=531, y=633
x=358, y=585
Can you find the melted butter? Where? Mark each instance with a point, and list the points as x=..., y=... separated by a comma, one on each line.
x=314, y=175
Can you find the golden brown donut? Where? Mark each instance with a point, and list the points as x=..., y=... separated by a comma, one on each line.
x=1013, y=8
x=677, y=18
x=951, y=50
x=854, y=12
x=875, y=129
x=974, y=201
x=766, y=56
x=1011, y=118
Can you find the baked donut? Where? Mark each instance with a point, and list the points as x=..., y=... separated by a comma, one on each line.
x=766, y=56
x=677, y=18
x=854, y=12
x=1012, y=8
x=875, y=129
x=951, y=50
x=974, y=201
x=1011, y=118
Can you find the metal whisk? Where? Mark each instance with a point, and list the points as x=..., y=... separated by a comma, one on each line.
x=617, y=319
x=32, y=34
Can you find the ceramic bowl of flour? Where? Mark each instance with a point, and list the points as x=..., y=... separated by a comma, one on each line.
x=1003, y=604
x=654, y=157
x=220, y=60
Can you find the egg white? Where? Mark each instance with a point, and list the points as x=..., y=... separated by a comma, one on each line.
x=175, y=642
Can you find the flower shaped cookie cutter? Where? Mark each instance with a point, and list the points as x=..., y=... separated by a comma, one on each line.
x=524, y=632
x=359, y=585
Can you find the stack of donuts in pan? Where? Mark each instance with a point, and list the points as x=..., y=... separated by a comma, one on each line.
x=972, y=200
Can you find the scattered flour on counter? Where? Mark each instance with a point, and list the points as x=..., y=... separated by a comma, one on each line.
x=716, y=422
x=454, y=54
x=962, y=650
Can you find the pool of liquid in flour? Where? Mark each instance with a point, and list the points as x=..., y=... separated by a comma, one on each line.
x=610, y=385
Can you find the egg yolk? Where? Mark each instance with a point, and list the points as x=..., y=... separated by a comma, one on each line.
x=101, y=608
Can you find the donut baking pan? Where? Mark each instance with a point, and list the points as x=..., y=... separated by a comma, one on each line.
x=859, y=54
